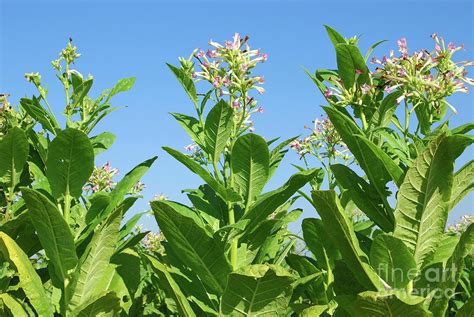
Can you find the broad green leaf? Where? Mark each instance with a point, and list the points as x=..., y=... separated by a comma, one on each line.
x=310, y=281
x=14, y=150
x=373, y=304
x=192, y=127
x=30, y=282
x=467, y=309
x=123, y=85
x=171, y=287
x=462, y=183
x=185, y=81
x=13, y=305
x=86, y=282
x=53, y=233
x=269, y=202
x=39, y=179
x=102, y=142
x=70, y=163
x=424, y=198
x=363, y=195
x=373, y=166
x=196, y=247
x=257, y=290
x=349, y=61
x=250, y=161
x=218, y=128
x=130, y=225
x=384, y=113
x=102, y=305
x=453, y=270
x=334, y=36
x=343, y=236
x=392, y=260
x=225, y=193
x=318, y=242
x=126, y=183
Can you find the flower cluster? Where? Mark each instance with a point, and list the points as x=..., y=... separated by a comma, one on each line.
x=324, y=142
x=425, y=77
x=153, y=242
x=461, y=226
x=228, y=68
x=102, y=179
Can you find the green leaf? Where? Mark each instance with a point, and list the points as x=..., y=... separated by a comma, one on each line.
x=171, y=287
x=467, y=309
x=218, y=128
x=343, y=236
x=192, y=127
x=70, y=163
x=102, y=142
x=277, y=154
x=452, y=273
x=185, y=81
x=384, y=113
x=102, y=305
x=269, y=202
x=373, y=304
x=250, y=162
x=371, y=49
x=30, y=282
x=53, y=233
x=13, y=305
x=225, y=193
x=319, y=243
x=14, y=149
x=334, y=36
x=462, y=183
x=363, y=195
x=392, y=260
x=424, y=198
x=123, y=85
x=203, y=254
x=34, y=109
x=257, y=290
x=86, y=282
x=350, y=60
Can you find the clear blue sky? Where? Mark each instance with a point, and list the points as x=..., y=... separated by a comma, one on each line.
x=135, y=38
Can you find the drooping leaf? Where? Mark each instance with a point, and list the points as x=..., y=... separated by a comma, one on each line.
x=218, y=128
x=257, y=290
x=53, y=233
x=250, y=163
x=343, y=236
x=30, y=282
x=197, y=248
x=14, y=150
x=424, y=197
x=373, y=304
x=225, y=193
x=70, y=163
x=392, y=260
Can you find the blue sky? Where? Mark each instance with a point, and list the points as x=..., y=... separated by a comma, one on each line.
x=135, y=38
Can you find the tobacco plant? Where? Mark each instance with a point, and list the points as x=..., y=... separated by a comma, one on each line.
x=397, y=259
x=63, y=250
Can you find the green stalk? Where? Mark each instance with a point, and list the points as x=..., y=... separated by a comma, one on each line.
x=67, y=205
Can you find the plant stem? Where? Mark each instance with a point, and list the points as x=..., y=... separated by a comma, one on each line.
x=364, y=120
x=407, y=120
x=67, y=205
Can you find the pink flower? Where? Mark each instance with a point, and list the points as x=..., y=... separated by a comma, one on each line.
x=260, y=90
x=235, y=104
x=402, y=46
x=236, y=40
x=374, y=60
x=434, y=36
x=251, y=129
x=260, y=79
x=384, y=59
x=437, y=47
x=190, y=147
x=359, y=71
x=388, y=89
x=264, y=57
x=229, y=45
x=296, y=145
x=194, y=75
x=401, y=72
x=365, y=89
x=211, y=54
x=200, y=54
x=260, y=109
x=216, y=82
x=227, y=82
x=327, y=93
